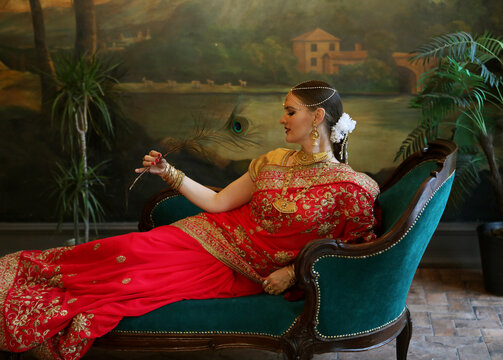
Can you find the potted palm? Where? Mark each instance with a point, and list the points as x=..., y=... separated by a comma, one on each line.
x=80, y=105
x=462, y=96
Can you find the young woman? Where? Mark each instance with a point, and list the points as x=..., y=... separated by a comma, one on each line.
x=57, y=301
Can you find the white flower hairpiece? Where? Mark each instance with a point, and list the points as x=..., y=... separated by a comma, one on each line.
x=344, y=126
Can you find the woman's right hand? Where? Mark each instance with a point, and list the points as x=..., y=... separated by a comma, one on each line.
x=154, y=163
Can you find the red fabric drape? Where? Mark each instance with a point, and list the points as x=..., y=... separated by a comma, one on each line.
x=69, y=296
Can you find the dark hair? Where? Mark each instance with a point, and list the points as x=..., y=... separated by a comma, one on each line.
x=332, y=107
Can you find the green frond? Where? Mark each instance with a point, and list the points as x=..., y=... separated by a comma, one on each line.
x=417, y=140
x=453, y=45
x=70, y=194
x=80, y=80
x=467, y=177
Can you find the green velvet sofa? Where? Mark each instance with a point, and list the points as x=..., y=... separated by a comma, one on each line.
x=354, y=294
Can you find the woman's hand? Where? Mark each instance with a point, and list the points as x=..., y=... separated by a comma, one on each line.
x=153, y=163
x=279, y=280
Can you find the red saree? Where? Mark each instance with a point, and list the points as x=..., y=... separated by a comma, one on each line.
x=57, y=301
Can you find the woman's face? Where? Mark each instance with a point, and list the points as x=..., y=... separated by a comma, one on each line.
x=298, y=121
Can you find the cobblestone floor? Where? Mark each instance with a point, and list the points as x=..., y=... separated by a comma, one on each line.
x=453, y=318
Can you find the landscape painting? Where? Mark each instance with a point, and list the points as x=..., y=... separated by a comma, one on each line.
x=221, y=67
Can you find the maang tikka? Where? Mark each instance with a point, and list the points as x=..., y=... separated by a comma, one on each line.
x=315, y=135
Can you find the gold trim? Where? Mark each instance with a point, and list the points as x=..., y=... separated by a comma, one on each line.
x=272, y=177
x=212, y=240
x=217, y=332
x=9, y=265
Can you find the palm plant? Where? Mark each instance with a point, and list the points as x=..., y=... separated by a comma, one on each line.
x=80, y=104
x=463, y=94
x=73, y=190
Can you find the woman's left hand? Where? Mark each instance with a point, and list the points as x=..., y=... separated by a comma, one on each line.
x=277, y=282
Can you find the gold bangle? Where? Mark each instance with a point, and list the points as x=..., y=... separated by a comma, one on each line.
x=172, y=176
x=291, y=272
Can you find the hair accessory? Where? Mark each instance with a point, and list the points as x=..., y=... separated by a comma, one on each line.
x=344, y=126
x=343, y=154
x=313, y=88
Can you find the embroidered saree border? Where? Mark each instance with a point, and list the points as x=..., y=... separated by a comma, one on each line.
x=272, y=177
x=213, y=241
x=8, y=265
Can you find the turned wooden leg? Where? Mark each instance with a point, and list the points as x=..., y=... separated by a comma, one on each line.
x=403, y=340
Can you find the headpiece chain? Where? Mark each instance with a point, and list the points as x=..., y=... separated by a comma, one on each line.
x=312, y=88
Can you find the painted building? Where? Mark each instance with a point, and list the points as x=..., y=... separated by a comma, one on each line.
x=320, y=52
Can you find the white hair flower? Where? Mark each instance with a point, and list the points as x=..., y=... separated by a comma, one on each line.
x=344, y=126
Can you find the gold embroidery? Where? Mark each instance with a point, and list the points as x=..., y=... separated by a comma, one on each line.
x=283, y=257
x=212, y=238
x=271, y=177
x=27, y=306
x=80, y=323
x=121, y=259
x=72, y=300
x=270, y=226
x=8, y=269
x=126, y=281
x=55, y=281
x=96, y=246
x=325, y=229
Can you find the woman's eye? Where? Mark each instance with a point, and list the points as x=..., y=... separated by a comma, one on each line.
x=291, y=113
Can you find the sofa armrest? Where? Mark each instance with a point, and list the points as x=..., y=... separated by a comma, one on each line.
x=166, y=207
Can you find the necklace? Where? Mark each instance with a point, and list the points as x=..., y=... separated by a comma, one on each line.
x=290, y=207
x=304, y=158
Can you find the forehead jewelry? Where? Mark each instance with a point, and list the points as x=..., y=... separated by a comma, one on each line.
x=312, y=88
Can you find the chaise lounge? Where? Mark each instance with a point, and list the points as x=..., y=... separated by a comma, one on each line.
x=354, y=294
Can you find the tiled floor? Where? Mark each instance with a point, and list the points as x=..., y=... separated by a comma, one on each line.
x=453, y=318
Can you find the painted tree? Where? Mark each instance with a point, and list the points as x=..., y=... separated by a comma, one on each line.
x=44, y=61
x=85, y=27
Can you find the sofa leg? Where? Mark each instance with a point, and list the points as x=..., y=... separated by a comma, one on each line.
x=403, y=339
x=4, y=355
x=298, y=347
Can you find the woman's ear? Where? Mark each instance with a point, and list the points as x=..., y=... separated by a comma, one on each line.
x=319, y=114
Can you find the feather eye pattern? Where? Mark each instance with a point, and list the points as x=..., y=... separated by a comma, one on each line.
x=203, y=134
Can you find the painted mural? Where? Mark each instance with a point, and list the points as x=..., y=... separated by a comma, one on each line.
x=222, y=65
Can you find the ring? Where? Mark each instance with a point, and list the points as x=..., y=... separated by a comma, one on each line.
x=269, y=288
x=266, y=282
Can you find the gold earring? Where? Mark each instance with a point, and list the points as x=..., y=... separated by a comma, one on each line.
x=315, y=135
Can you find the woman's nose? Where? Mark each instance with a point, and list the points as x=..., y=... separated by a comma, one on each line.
x=283, y=119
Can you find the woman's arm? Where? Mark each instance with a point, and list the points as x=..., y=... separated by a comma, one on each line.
x=233, y=195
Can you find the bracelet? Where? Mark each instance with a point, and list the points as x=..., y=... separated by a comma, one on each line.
x=172, y=176
x=291, y=271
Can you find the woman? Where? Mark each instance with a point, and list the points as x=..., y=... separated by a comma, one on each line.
x=57, y=301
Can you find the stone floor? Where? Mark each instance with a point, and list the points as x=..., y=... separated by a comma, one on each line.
x=453, y=318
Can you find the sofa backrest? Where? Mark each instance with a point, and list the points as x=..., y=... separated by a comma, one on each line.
x=395, y=199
